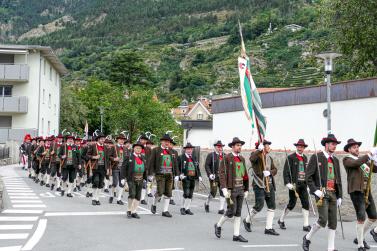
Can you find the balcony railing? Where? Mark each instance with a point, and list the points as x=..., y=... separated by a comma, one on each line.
x=13, y=104
x=14, y=72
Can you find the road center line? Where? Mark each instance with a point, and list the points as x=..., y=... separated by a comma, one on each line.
x=21, y=211
x=51, y=214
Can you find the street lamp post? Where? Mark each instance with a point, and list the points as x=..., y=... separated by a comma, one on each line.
x=101, y=111
x=328, y=60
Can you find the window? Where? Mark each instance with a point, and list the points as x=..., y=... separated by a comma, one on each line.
x=199, y=116
x=6, y=90
x=49, y=100
x=43, y=96
x=50, y=73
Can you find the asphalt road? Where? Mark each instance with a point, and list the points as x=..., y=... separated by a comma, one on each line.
x=35, y=218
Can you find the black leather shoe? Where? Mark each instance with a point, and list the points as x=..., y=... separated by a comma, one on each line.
x=52, y=187
x=206, y=207
x=129, y=215
x=106, y=190
x=119, y=202
x=62, y=193
x=58, y=189
x=183, y=211
x=111, y=200
x=47, y=185
x=247, y=225
x=281, y=224
x=374, y=235
x=79, y=188
x=87, y=194
x=90, y=194
x=361, y=249
x=305, y=243
x=135, y=215
x=94, y=203
x=171, y=202
x=306, y=228
x=221, y=211
x=366, y=245
x=239, y=238
x=270, y=232
x=143, y=202
x=167, y=214
x=69, y=195
x=153, y=209
x=188, y=211
x=75, y=189
x=98, y=203
x=217, y=231
x=42, y=183
x=150, y=195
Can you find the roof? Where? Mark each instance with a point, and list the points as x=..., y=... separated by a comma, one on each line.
x=45, y=51
x=346, y=90
x=200, y=102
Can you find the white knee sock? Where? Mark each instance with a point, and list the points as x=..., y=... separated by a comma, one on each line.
x=331, y=240
x=166, y=204
x=96, y=192
x=143, y=192
x=187, y=203
x=47, y=179
x=135, y=205
x=236, y=226
x=222, y=220
x=120, y=192
x=129, y=204
x=270, y=218
x=57, y=182
x=360, y=234
x=314, y=229
x=209, y=198
x=285, y=213
x=305, y=214
x=69, y=190
x=367, y=224
x=252, y=214
x=222, y=203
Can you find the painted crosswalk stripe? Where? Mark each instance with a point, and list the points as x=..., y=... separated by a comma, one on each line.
x=13, y=236
x=22, y=211
x=26, y=201
x=18, y=218
x=23, y=197
x=16, y=227
x=28, y=205
x=21, y=193
x=11, y=248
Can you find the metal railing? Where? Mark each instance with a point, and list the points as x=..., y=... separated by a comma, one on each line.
x=14, y=72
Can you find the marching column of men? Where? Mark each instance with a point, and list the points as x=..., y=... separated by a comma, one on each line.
x=76, y=162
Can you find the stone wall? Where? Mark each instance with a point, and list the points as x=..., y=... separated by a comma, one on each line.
x=282, y=191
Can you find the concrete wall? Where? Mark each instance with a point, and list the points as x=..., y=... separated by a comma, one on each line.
x=282, y=191
x=352, y=118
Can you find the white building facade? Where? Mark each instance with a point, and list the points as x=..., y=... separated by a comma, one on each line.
x=299, y=113
x=29, y=91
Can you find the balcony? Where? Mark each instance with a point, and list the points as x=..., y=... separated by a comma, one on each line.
x=13, y=104
x=14, y=72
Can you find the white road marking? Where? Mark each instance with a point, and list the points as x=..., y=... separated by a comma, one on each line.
x=47, y=195
x=14, y=236
x=50, y=214
x=270, y=246
x=15, y=227
x=36, y=236
x=160, y=249
x=26, y=201
x=28, y=205
x=18, y=218
x=22, y=193
x=11, y=248
x=21, y=211
x=23, y=197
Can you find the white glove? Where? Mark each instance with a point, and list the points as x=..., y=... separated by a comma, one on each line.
x=260, y=147
x=225, y=192
x=266, y=173
x=319, y=193
x=123, y=182
x=212, y=177
x=289, y=186
x=182, y=176
x=200, y=179
x=245, y=194
x=339, y=202
x=176, y=178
